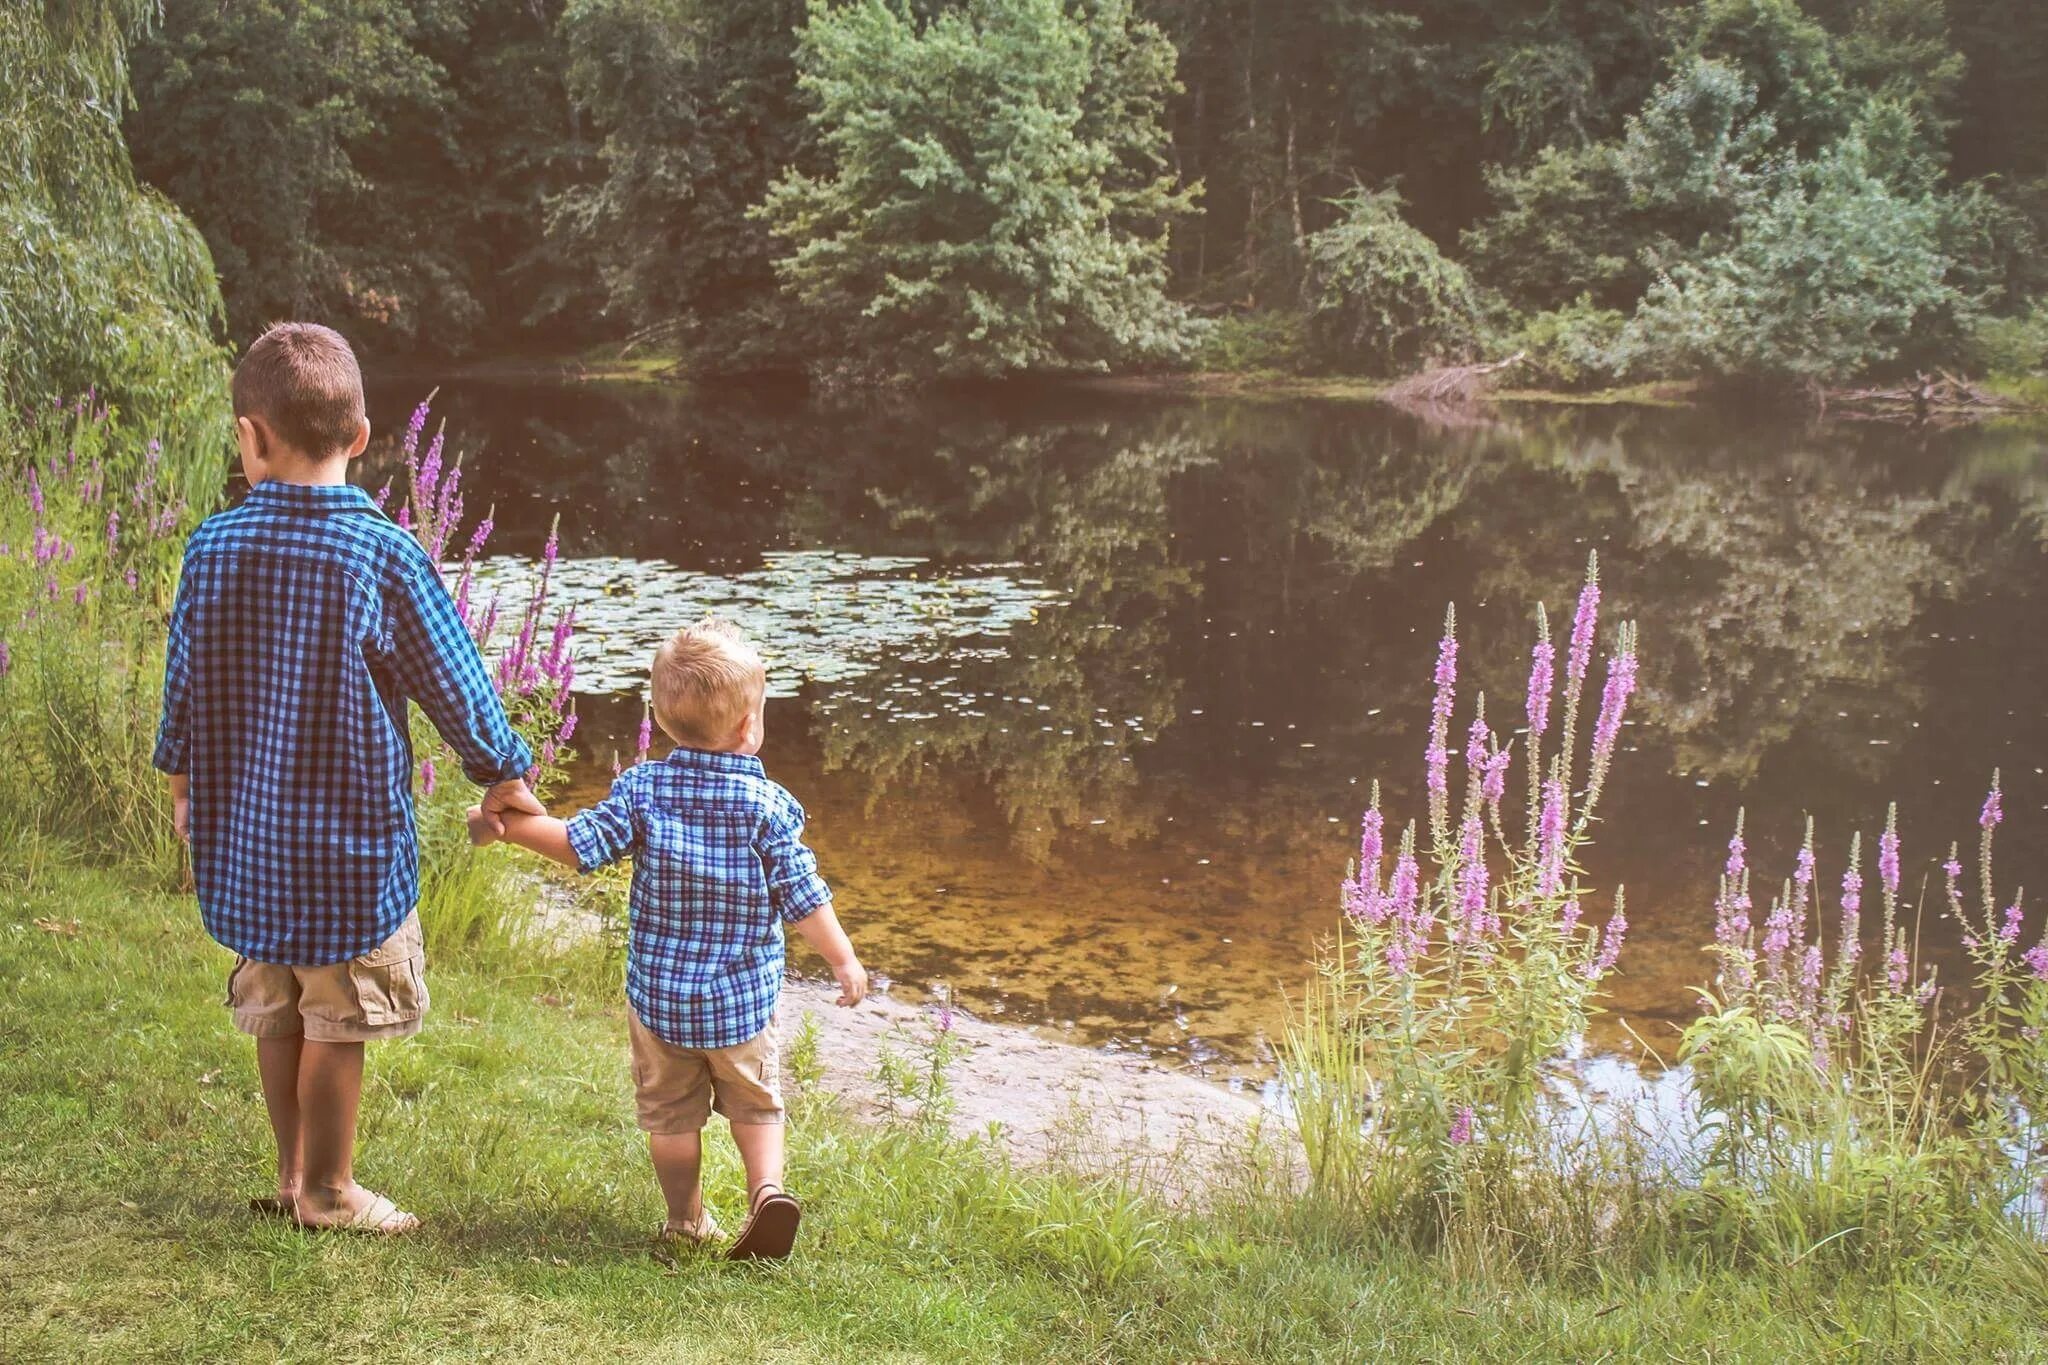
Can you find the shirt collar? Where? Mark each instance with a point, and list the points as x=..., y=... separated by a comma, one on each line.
x=704, y=760
x=312, y=497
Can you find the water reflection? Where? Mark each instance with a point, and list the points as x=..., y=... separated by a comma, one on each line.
x=1122, y=809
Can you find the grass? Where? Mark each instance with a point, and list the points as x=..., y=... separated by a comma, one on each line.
x=130, y=1134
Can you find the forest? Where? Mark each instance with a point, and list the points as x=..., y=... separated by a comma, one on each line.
x=1765, y=193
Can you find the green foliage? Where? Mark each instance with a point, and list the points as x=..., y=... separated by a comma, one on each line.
x=994, y=193
x=92, y=519
x=1564, y=225
x=1383, y=296
x=697, y=109
x=379, y=167
x=1236, y=343
x=1831, y=274
x=101, y=281
x=1572, y=347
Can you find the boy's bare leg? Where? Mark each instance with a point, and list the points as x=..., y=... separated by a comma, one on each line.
x=277, y=1062
x=760, y=1147
x=330, y=1093
x=678, y=1164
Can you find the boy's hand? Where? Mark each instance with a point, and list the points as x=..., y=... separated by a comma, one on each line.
x=181, y=806
x=483, y=830
x=853, y=983
x=514, y=795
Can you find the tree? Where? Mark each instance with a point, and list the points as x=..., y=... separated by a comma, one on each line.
x=1828, y=276
x=995, y=190
x=380, y=165
x=102, y=282
x=696, y=106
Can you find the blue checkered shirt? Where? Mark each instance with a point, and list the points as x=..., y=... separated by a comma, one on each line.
x=305, y=620
x=719, y=866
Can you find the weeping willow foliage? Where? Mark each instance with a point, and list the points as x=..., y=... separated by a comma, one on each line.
x=104, y=285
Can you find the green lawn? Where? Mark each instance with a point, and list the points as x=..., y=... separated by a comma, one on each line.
x=130, y=1134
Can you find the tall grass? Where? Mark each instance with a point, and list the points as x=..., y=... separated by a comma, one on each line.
x=1836, y=1105
x=92, y=520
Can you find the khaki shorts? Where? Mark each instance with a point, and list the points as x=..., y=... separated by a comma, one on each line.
x=382, y=994
x=676, y=1088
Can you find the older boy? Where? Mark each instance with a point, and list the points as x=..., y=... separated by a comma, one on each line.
x=304, y=621
x=719, y=866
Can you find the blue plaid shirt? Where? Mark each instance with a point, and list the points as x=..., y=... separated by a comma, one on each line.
x=719, y=866
x=304, y=621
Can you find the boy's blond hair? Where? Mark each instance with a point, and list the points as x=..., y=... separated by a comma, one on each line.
x=302, y=380
x=707, y=679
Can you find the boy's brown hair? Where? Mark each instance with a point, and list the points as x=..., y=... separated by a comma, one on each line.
x=707, y=679
x=302, y=380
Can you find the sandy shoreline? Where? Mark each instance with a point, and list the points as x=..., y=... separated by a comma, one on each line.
x=1046, y=1102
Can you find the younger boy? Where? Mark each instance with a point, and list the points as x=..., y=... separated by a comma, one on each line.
x=719, y=866
x=304, y=621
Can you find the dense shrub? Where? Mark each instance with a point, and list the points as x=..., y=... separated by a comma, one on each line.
x=1383, y=296
x=1827, y=276
x=1572, y=347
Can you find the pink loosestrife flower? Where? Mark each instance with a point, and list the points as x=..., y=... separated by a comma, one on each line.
x=427, y=776
x=1584, y=625
x=1610, y=943
x=2009, y=932
x=1541, y=662
x=1362, y=898
x=1473, y=884
x=646, y=735
x=1438, y=754
x=1994, y=808
x=1550, y=840
x=1621, y=685
x=2036, y=959
x=1888, y=855
x=1461, y=1126
x=1852, y=908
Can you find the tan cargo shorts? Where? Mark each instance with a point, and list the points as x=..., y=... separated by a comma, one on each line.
x=677, y=1088
x=382, y=994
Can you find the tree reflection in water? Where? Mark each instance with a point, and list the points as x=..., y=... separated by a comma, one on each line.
x=1246, y=593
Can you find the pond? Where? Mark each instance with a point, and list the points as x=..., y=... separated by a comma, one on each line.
x=1084, y=693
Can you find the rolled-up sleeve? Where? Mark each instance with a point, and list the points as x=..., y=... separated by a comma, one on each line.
x=438, y=666
x=794, y=887
x=607, y=831
x=174, y=731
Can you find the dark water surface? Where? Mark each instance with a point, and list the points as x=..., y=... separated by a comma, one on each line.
x=1084, y=695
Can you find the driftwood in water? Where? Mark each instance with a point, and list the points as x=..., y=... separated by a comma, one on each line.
x=1926, y=396
x=1452, y=386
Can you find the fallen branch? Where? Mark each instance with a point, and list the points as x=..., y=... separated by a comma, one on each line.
x=1927, y=394
x=1449, y=386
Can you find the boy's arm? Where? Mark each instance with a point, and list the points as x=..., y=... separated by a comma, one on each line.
x=801, y=897
x=438, y=666
x=174, y=732
x=181, y=805
x=543, y=834
x=821, y=930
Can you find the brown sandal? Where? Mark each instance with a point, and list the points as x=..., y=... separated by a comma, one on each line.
x=770, y=1232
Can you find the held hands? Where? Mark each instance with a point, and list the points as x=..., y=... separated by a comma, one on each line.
x=513, y=796
x=483, y=829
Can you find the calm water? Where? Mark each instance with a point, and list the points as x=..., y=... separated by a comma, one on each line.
x=1083, y=695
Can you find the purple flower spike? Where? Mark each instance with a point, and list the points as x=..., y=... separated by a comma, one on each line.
x=2009, y=932
x=1610, y=942
x=427, y=776
x=1550, y=840
x=1888, y=856
x=1473, y=885
x=1584, y=625
x=1543, y=659
x=2036, y=959
x=6, y=660
x=1994, y=808
x=1461, y=1127
x=1621, y=685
